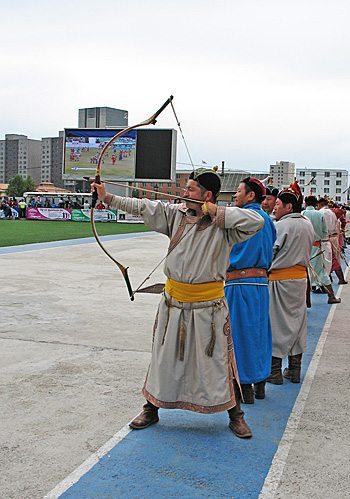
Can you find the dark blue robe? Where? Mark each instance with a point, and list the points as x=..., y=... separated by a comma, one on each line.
x=248, y=300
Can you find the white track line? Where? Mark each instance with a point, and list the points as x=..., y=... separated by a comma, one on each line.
x=279, y=461
x=88, y=464
x=274, y=476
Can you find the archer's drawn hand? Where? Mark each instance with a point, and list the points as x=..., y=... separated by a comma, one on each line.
x=209, y=209
x=101, y=190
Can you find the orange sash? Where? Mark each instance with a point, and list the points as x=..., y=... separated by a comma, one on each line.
x=294, y=272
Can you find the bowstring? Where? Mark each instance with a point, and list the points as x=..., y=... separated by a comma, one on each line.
x=182, y=135
x=164, y=258
x=184, y=235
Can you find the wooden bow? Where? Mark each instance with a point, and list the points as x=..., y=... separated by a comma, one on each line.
x=151, y=121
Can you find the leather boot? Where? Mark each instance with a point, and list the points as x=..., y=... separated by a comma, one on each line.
x=292, y=372
x=276, y=377
x=248, y=394
x=331, y=297
x=148, y=416
x=259, y=389
x=340, y=276
x=237, y=423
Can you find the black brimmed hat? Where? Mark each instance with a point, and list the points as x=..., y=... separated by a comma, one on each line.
x=208, y=179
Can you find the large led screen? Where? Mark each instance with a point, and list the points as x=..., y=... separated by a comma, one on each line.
x=83, y=148
x=139, y=154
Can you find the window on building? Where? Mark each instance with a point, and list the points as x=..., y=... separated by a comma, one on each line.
x=178, y=175
x=177, y=193
x=327, y=174
x=326, y=190
x=339, y=174
x=313, y=174
x=326, y=182
x=169, y=184
x=302, y=181
x=338, y=191
x=302, y=174
x=338, y=198
x=178, y=184
x=338, y=182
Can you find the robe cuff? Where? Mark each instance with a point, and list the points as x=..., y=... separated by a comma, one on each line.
x=108, y=198
x=220, y=216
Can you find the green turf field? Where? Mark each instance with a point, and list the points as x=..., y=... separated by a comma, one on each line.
x=16, y=232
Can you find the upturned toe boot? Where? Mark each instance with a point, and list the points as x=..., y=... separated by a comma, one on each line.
x=340, y=275
x=237, y=423
x=331, y=296
x=292, y=372
x=248, y=394
x=147, y=417
x=259, y=390
x=276, y=377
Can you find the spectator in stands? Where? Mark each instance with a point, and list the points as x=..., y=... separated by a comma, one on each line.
x=7, y=210
x=100, y=206
x=22, y=208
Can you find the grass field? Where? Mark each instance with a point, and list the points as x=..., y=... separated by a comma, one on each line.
x=17, y=232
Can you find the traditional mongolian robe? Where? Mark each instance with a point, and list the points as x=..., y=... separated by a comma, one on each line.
x=347, y=227
x=320, y=258
x=333, y=244
x=192, y=365
x=292, y=250
x=248, y=300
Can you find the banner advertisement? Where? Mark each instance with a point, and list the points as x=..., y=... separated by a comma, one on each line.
x=71, y=214
x=99, y=215
x=49, y=214
x=124, y=217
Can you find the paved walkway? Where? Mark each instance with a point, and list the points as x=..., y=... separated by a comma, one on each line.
x=73, y=375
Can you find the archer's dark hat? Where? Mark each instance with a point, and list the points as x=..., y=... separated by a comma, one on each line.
x=293, y=191
x=271, y=191
x=255, y=185
x=207, y=179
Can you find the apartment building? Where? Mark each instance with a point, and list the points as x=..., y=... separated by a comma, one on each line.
x=102, y=117
x=282, y=173
x=52, y=159
x=321, y=182
x=20, y=156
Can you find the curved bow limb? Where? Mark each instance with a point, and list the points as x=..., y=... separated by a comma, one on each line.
x=150, y=121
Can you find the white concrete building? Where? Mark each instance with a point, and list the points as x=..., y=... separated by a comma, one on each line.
x=282, y=173
x=321, y=182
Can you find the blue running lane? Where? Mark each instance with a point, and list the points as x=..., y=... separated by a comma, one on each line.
x=193, y=455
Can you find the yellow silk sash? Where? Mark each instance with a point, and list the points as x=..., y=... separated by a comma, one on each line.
x=191, y=293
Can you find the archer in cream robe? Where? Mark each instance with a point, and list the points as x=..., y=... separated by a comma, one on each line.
x=293, y=245
x=197, y=375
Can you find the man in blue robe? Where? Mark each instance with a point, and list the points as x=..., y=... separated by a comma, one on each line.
x=247, y=294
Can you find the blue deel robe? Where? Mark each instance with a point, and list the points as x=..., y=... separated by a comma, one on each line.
x=248, y=300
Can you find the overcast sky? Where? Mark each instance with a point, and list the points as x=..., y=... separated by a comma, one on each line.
x=254, y=81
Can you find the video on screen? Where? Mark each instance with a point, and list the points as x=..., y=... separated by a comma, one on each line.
x=83, y=149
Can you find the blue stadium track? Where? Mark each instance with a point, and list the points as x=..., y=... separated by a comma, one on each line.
x=191, y=455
